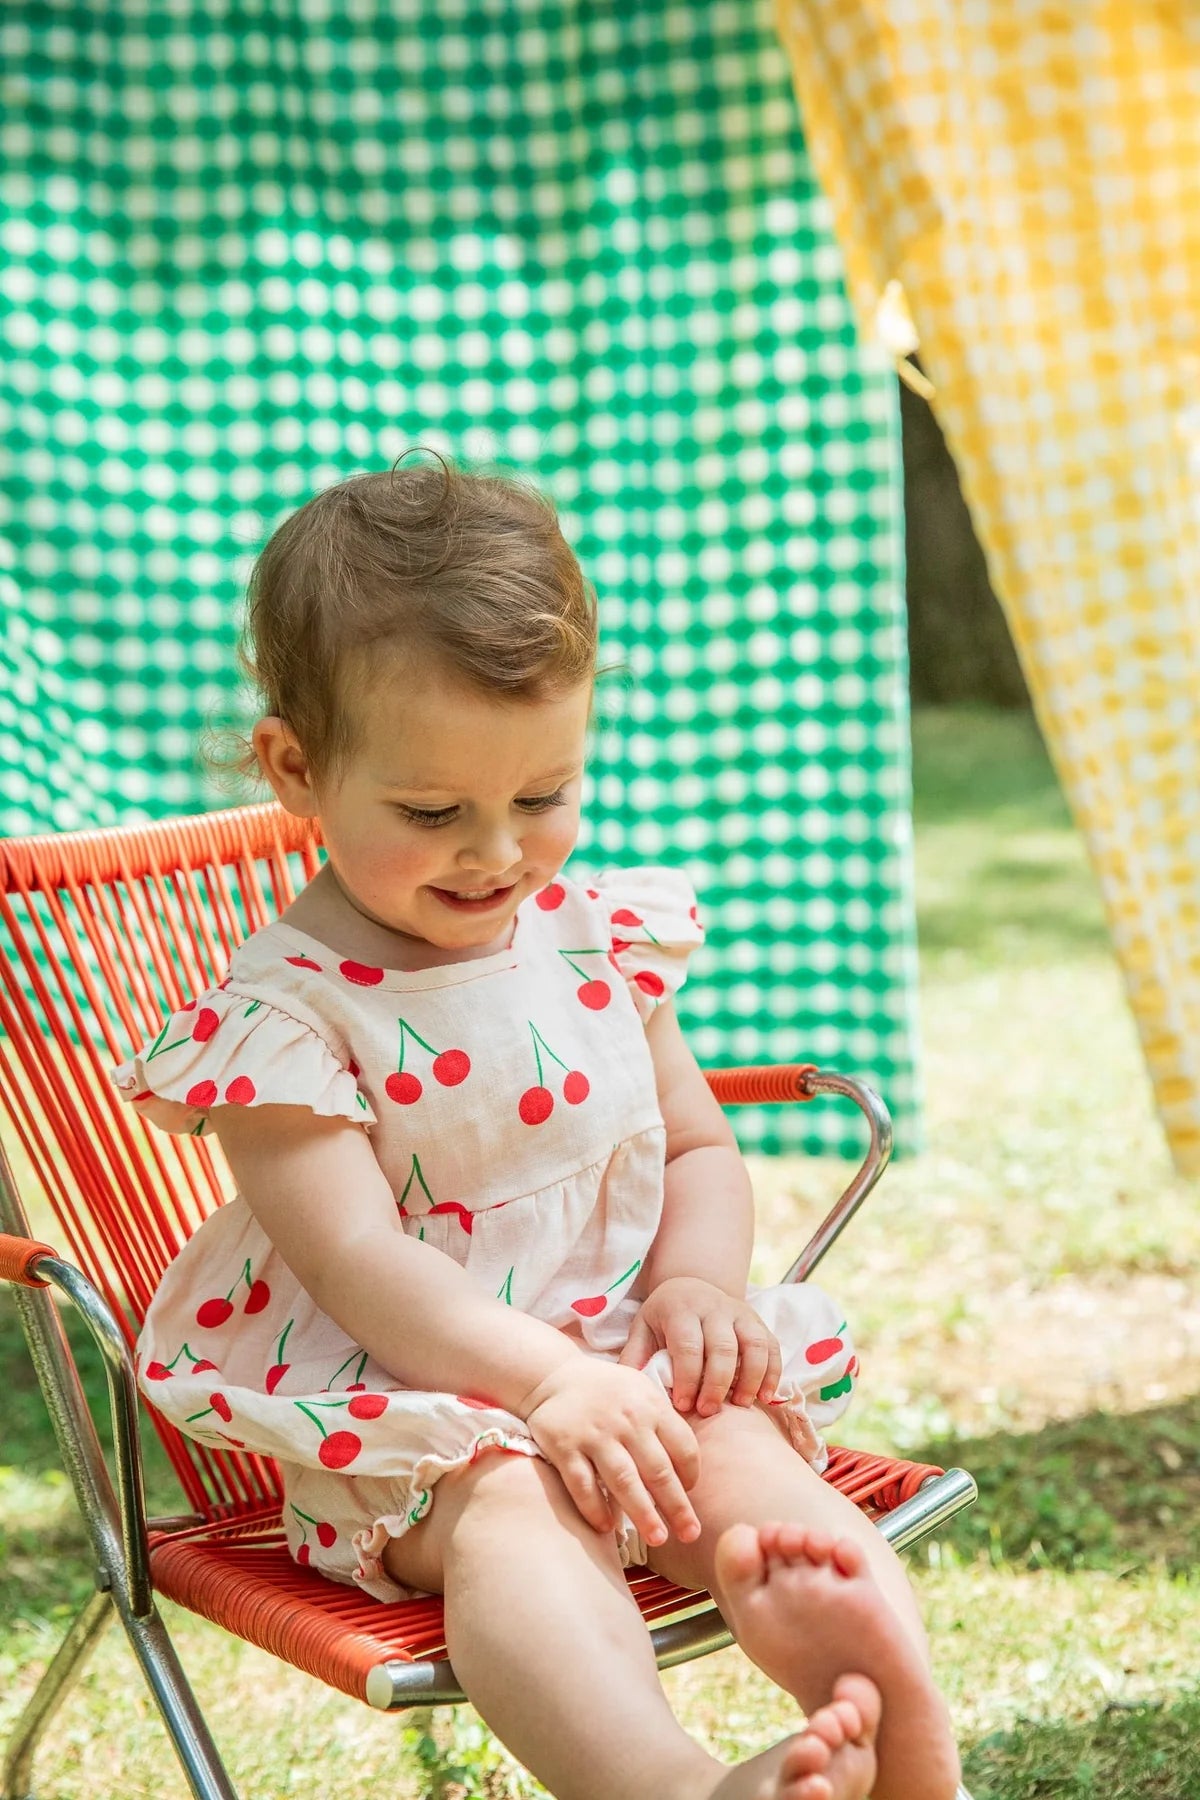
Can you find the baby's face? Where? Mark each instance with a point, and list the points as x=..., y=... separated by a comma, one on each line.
x=454, y=808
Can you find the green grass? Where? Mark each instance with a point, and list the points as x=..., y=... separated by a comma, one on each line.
x=1024, y=1294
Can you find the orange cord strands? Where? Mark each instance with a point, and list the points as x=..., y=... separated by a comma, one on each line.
x=17, y=1257
x=759, y=1087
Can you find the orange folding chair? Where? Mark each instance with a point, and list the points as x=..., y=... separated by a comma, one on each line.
x=103, y=933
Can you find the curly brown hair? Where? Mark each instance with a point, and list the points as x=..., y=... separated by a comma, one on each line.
x=420, y=565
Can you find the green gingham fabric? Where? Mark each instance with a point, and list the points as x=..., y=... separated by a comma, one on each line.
x=250, y=248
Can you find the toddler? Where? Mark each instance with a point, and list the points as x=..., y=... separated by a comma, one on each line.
x=482, y=1291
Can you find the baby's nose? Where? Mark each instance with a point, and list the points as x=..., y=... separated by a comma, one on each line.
x=491, y=852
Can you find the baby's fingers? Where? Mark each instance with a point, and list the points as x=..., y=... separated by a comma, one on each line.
x=623, y=1478
x=580, y=1480
x=759, y=1365
x=720, y=1365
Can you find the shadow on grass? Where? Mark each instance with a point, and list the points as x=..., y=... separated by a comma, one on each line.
x=1145, y=1752
x=1105, y=1491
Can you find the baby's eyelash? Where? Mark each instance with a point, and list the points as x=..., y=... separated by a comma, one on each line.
x=418, y=815
x=544, y=801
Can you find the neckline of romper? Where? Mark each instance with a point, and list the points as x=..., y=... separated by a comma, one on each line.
x=391, y=980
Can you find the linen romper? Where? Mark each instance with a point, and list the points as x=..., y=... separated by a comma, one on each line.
x=510, y=1101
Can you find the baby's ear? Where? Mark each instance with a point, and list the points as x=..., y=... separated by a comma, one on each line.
x=285, y=766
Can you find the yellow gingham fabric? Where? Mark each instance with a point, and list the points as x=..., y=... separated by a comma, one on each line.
x=1024, y=177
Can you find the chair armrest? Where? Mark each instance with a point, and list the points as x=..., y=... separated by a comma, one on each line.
x=17, y=1258
x=879, y=1151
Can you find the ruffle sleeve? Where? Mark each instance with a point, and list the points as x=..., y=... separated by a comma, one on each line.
x=229, y=1048
x=655, y=927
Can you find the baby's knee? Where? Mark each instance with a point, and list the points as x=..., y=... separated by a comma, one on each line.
x=506, y=1486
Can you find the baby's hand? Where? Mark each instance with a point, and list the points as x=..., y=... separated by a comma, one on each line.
x=719, y=1346
x=614, y=1438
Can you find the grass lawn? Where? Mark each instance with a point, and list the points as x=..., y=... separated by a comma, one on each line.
x=1024, y=1294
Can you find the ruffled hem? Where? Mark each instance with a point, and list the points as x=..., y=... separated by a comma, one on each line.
x=654, y=926
x=229, y=1048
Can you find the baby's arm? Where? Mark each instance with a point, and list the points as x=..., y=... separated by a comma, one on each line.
x=317, y=1190
x=696, y=1272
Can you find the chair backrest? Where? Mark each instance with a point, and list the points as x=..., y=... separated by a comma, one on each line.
x=102, y=934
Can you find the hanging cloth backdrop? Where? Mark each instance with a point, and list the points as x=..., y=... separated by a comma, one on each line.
x=1028, y=173
x=247, y=251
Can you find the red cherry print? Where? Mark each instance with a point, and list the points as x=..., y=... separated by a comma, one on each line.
x=404, y=1089
x=650, y=983
x=551, y=896
x=275, y=1375
x=326, y=1534
x=465, y=1218
x=368, y=1406
x=198, y=1368
x=220, y=1405
x=471, y=1401
x=352, y=1068
x=338, y=1449
x=535, y=1105
x=188, y=1006
x=303, y=1554
x=623, y=916
x=823, y=1349
x=203, y=1094
x=303, y=962
x=213, y=1313
x=596, y=1303
x=240, y=1091
x=362, y=974
x=619, y=944
x=206, y=1023
x=693, y=914
x=157, y=1371
x=451, y=1067
x=576, y=1087
x=594, y=994
x=592, y=894
x=590, y=1307
x=852, y=1366
x=257, y=1298
x=357, y=1387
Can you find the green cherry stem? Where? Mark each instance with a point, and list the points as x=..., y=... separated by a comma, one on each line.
x=405, y=1026
x=627, y=1276
x=415, y=1174
x=362, y=1363
x=539, y=1039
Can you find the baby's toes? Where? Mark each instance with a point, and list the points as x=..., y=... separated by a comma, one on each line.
x=856, y=1694
x=807, y=1754
x=740, y=1560
x=832, y=1725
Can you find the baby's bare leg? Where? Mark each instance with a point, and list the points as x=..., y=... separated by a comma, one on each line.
x=545, y=1638
x=814, y=1604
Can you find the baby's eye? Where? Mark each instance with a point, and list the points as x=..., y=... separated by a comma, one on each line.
x=419, y=815
x=543, y=802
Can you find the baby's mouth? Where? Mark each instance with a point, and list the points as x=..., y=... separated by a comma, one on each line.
x=473, y=899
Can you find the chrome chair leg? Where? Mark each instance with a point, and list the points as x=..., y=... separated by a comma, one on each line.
x=87, y=1628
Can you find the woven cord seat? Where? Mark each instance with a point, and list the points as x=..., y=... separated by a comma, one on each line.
x=102, y=933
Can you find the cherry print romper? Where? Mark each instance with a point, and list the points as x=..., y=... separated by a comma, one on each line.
x=511, y=1104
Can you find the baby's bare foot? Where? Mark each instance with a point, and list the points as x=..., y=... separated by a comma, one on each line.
x=833, y=1758
x=803, y=1607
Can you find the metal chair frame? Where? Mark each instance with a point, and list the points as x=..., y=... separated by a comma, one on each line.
x=133, y=1555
